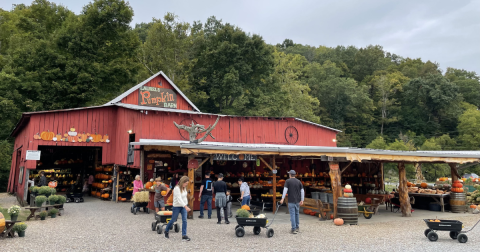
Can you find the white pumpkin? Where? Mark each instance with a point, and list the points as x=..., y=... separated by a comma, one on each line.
x=348, y=187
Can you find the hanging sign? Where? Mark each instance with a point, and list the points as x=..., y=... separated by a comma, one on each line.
x=157, y=97
x=33, y=155
x=232, y=157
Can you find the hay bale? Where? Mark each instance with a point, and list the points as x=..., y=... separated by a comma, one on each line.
x=141, y=197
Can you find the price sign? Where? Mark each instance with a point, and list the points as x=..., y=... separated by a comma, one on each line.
x=274, y=171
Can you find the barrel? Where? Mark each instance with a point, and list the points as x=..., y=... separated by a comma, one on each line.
x=315, y=195
x=458, y=202
x=323, y=197
x=347, y=210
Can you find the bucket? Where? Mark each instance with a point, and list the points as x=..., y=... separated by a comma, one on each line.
x=323, y=197
x=347, y=209
x=315, y=195
x=330, y=198
x=458, y=202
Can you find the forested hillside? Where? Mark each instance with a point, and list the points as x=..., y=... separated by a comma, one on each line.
x=51, y=58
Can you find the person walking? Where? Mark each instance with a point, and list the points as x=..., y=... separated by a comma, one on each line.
x=159, y=201
x=296, y=195
x=180, y=207
x=220, y=189
x=245, y=191
x=43, y=179
x=206, y=195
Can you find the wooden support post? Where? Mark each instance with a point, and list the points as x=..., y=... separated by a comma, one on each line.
x=274, y=182
x=383, y=177
x=191, y=188
x=453, y=169
x=403, y=191
x=336, y=182
x=265, y=163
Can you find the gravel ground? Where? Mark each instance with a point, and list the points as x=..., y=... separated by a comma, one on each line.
x=106, y=226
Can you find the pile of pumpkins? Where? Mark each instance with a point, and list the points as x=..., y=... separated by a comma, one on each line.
x=102, y=176
x=99, y=185
x=122, y=199
x=101, y=195
x=310, y=212
x=457, y=187
x=347, y=192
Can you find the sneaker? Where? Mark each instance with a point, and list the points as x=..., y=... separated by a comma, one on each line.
x=185, y=238
x=297, y=230
x=166, y=235
x=294, y=231
x=219, y=222
x=209, y=217
x=227, y=222
x=201, y=217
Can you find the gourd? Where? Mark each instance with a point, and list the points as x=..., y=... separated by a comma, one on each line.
x=245, y=207
x=242, y=213
x=424, y=185
x=338, y=221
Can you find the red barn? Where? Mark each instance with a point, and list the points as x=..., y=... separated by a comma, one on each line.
x=76, y=143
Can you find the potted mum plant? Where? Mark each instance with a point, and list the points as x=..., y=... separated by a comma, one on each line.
x=14, y=211
x=45, y=190
x=39, y=200
x=52, y=199
x=61, y=200
x=43, y=215
x=53, y=212
x=20, y=229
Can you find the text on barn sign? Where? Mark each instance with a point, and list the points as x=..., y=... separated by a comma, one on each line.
x=157, y=97
x=232, y=157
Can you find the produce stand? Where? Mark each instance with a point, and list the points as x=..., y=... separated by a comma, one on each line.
x=441, y=199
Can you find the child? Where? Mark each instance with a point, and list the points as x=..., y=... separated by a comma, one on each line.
x=159, y=201
x=229, y=205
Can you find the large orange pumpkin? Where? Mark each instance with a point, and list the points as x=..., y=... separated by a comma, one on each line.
x=473, y=206
x=148, y=184
x=424, y=185
x=338, y=221
x=47, y=135
x=246, y=207
x=306, y=211
x=2, y=223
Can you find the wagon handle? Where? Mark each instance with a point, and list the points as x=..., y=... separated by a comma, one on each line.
x=472, y=227
x=278, y=207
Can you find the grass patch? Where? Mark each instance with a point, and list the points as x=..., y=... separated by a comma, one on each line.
x=389, y=188
x=21, y=217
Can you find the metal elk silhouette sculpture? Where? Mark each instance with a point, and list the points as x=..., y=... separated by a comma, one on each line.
x=195, y=129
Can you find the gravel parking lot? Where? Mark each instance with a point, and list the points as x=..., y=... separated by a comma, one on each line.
x=97, y=225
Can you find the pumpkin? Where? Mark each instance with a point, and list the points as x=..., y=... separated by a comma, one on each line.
x=338, y=221
x=163, y=193
x=307, y=211
x=148, y=184
x=312, y=213
x=347, y=190
x=37, y=136
x=96, y=138
x=331, y=216
x=368, y=201
x=246, y=207
x=473, y=206
x=110, y=181
x=348, y=187
x=2, y=223
x=424, y=185
x=457, y=190
x=47, y=135
x=72, y=139
x=170, y=199
x=106, y=195
x=457, y=184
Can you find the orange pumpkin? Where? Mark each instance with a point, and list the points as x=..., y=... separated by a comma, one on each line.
x=424, y=185
x=47, y=135
x=163, y=193
x=2, y=223
x=72, y=139
x=457, y=184
x=96, y=138
x=473, y=206
x=170, y=199
x=37, y=136
x=307, y=211
x=338, y=221
x=148, y=184
x=246, y=207
x=110, y=181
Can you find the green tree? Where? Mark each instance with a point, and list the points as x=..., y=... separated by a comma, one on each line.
x=468, y=84
x=469, y=129
x=378, y=143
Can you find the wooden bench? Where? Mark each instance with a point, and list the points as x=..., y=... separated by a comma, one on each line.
x=33, y=210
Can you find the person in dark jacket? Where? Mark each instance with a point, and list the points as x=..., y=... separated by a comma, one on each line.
x=43, y=179
x=220, y=190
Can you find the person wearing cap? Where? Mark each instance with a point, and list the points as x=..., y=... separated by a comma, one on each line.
x=296, y=195
x=220, y=189
x=206, y=195
x=245, y=191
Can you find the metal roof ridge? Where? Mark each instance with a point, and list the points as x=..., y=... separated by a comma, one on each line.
x=320, y=125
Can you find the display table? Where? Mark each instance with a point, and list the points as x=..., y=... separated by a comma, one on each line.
x=35, y=209
x=439, y=198
x=9, y=229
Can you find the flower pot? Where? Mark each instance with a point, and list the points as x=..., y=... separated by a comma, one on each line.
x=39, y=204
x=42, y=218
x=13, y=217
x=21, y=233
x=54, y=215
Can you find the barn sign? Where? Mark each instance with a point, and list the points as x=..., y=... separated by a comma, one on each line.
x=232, y=157
x=157, y=97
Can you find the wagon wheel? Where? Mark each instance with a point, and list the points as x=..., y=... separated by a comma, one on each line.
x=432, y=236
x=462, y=238
x=270, y=232
x=367, y=215
x=256, y=230
x=184, y=133
x=154, y=226
x=291, y=135
x=240, y=232
x=159, y=229
x=453, y=234
x=426, y=232
x=237, y=226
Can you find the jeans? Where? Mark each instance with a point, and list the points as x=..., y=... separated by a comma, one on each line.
x=246, y=200
x=175, y=212
x=219, y=215
x=208, y=199
x=294, y=209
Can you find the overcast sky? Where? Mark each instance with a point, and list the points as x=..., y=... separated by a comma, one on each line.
x=443, y=31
